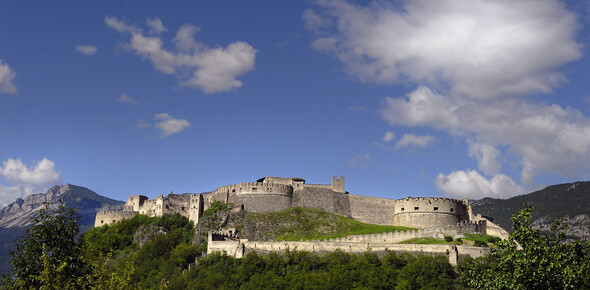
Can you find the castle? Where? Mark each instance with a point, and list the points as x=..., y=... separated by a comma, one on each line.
x=269, y=194
x=433, y=217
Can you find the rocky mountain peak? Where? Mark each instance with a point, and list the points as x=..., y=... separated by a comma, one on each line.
x=22, y=211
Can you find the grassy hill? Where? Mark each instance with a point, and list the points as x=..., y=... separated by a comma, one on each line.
x=298, y=223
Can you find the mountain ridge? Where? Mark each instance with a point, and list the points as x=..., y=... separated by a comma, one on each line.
x=22, y=211
x=16, y=217
x=569, y=202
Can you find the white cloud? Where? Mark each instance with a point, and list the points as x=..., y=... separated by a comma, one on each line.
x=360, y=160
x=411, y=140
x=388, y=137
x=471, y=184
x=87, y=49
x=545, y=138
x=7, y=76
x=486, y=156
x=196, y=64
x=169, y=125
x=25, y=180
x=477, y=48
x=120, y=25
x=156, y=26
x=124, y=98
x=314, y=21
x=475, y=64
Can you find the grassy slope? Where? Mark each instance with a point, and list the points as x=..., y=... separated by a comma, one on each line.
x=296, y=224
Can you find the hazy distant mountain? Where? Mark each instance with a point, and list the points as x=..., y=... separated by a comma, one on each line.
x=17, y=216
x=569, y=202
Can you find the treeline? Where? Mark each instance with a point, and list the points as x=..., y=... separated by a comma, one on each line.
x=304, y=270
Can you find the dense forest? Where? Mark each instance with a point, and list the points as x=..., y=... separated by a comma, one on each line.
x=161, y=252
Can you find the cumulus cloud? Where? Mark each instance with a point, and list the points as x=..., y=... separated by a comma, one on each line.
x=388, y=137
x=87, y=49
x=471, y=184
x=477, y=48
x=156, y=26
x=24, y=180
x=546, y=138
x=7, y=76
x=197, y=65
x=475, y=65
x=411, y=140
x=169, y=125
x=486, y=156
x=124, y=98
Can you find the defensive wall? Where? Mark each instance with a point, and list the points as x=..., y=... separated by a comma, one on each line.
x=109, y=217
x=270, y=194
x=219, y=242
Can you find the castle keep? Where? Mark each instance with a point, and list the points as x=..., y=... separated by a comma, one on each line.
x=269, y=194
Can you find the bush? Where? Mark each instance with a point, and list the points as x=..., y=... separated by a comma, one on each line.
x=448, y=239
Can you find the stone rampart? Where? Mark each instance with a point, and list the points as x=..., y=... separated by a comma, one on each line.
x=372, y=210
x=451, y=251
x=263, y=202
x=109, y=217
x=322, y=198
x=256, y=188
x=421, y=212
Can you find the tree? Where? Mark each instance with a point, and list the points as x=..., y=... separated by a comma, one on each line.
x=50, y=247
x=530, y=259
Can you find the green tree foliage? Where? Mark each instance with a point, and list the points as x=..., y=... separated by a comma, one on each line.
x=305, y=270
x=530, y=259
x=49, y=255
x=148, y=267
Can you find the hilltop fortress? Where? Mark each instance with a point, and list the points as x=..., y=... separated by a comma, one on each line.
x=432, y=216
x=269, y=194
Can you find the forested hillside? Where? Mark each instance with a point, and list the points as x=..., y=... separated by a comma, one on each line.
x=569, y=202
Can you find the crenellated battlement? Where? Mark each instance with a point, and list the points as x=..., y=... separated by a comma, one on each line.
x=270, y=194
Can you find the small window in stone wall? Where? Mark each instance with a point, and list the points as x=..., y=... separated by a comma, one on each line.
x=436, y=208
x=416, y=208
x=233, y=190
x=403, y=209
x=452, y=210
x=253, y=188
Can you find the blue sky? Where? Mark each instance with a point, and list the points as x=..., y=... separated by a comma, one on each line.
x=421, y=98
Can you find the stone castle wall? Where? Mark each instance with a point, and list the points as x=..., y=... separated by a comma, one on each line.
x=270, y=194
x=109, y=217
x=372, y=210
x=322, y=198
x=420, y=212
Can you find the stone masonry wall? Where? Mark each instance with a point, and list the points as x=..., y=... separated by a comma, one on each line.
x=109, y=217
x=263, y=202
x=322, y=198
x=373, y=210
x=451, y=251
